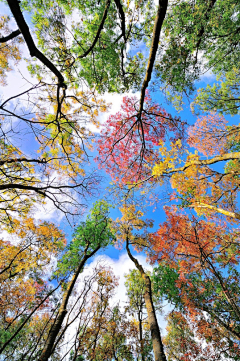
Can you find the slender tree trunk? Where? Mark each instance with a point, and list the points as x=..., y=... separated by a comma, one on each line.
x=158, y=350
x=54, y=331
x=141, y=333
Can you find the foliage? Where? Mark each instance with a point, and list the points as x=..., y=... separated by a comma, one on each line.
x=126, y=150
x=222, y=96
x=8, y=52
x=27, y=298
x=90, y=235
x=88, y=40
x=202, y=275
x=135, y=287
x=82, y=50
x=199, y=36
x=104, y=332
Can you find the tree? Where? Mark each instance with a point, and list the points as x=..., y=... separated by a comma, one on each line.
x=27, y=298
x=131, y=220
x=181, y=342
x=103, y=331
x=199, y=263
x=89, y=237
x=198, y=36
x=82, y=50
x=222, y=96
x=199, y=185
x=8, y=51
x=126, y=149
x=25, y=259
x=135, y=287
x=64, y=65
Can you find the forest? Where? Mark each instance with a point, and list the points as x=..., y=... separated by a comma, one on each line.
x=119, y=136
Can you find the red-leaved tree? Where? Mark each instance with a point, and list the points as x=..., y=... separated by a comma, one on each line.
x=128, y=148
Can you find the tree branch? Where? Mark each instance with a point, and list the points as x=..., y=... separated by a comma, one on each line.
x=161, y=13
x=218, y=158
x=11, y=36
x=26, y=320
x=122, y=17
x=23, y=27
x=54, y=331
x=216, y=209
x=98, y=32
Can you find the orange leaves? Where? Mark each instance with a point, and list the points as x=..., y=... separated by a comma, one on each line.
x=186, y=243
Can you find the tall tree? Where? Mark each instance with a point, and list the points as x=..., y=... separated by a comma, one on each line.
x=198, y=272
x=89, y=237
x=126, y=149
x=26, y=296
x=135, y=287
x=130, y=221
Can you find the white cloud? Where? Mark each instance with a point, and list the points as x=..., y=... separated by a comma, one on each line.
x=208, y=76
x=115, y=102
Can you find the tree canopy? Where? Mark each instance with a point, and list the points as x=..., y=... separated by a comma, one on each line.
x=171, y=69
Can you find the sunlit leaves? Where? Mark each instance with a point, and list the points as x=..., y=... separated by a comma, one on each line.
x=128, y=147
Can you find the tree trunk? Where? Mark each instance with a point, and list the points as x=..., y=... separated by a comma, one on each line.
x=54, y=331
x=158, y=350
x=141, y=333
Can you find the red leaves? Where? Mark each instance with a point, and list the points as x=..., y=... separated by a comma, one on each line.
x=186, y=243
x=128, y=147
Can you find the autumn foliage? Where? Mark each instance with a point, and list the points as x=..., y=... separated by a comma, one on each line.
x=127, y=147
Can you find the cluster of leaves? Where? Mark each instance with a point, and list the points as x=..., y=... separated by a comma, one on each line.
x=26, y=296
x=8, y=52
x=95, y=233
x=127, y=148
x=199, y=36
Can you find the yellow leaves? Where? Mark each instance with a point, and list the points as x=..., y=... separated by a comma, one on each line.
x=170, y=158
x=31, y=246
x=130, y=215
x=8, y=51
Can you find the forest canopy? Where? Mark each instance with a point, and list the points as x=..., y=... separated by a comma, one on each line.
x=119, y=134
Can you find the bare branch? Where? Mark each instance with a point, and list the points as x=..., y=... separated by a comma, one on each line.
x=11, y=36
x=161, y=13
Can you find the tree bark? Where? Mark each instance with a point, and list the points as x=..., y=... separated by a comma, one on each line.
x=161, y=13
x=158, y=350
x=216, y=209
x=141, y=333
x=11, y=36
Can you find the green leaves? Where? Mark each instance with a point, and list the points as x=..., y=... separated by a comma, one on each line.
x=164, y=283
x=199, y=36
x=222, y=96
x=94, y=233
